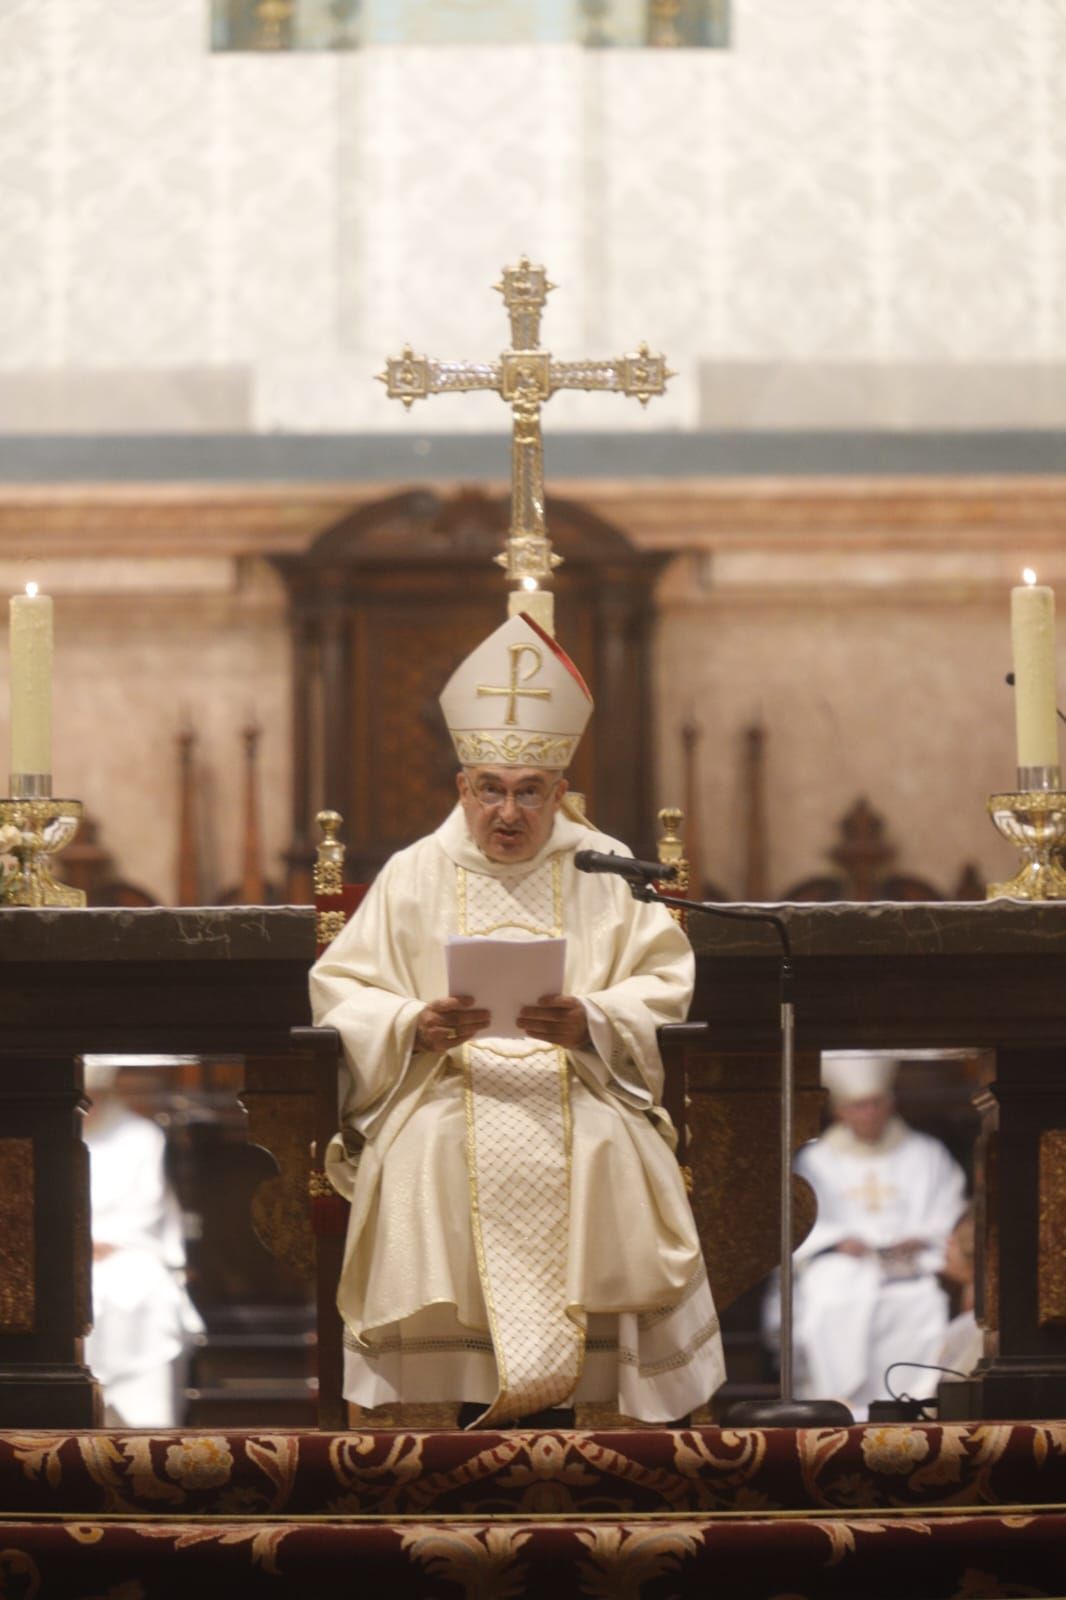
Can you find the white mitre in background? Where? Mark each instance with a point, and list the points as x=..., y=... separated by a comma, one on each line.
x=857, y=1074
x=517, y=701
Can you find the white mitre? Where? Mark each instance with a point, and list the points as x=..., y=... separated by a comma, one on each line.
x=516, y=701
x=100, y=1074
x=857, y=1074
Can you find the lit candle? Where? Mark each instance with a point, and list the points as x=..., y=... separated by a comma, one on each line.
x=1032, y=616
x=31, y=683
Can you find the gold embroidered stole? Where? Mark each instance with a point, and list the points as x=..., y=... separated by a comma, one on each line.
x=518, y=1160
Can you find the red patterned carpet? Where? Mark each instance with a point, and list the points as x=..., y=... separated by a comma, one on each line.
x=966, y=1511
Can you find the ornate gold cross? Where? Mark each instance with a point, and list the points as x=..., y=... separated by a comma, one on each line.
x=870, y=1193
x=526, y=377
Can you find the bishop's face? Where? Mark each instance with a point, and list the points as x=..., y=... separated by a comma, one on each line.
x=510, y=811
x=867, y=1118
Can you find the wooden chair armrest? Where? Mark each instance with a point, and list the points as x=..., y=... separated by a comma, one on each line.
x=670, y=1032
x=322, y=1043
x=321, y=1047
x=673, y=1037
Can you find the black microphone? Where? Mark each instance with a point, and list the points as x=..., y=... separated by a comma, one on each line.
x=1060, y=714
x=624, y=866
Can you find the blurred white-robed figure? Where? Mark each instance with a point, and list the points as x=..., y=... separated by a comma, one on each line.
x=867, y=1292
x=143, y=1318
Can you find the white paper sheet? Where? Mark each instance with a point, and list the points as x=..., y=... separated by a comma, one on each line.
x=503, y=975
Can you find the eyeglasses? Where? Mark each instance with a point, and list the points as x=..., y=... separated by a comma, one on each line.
x=489, y=796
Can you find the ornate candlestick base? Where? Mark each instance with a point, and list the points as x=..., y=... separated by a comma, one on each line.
x=1035, y=821
x=44, y=827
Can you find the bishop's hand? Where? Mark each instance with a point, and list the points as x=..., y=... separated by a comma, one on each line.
x=558, y=1019
x=904, y=1249
x=446, y=1024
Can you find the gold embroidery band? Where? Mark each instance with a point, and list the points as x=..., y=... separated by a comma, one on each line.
x=482, y=747
x=518, y=1129
x=518, y=1150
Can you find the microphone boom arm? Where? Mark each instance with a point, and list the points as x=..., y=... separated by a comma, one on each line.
x=712, y=908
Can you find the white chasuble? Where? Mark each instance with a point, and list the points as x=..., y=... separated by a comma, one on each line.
x=519, y=1232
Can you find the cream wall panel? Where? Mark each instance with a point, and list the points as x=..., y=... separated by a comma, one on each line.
x=131, y=670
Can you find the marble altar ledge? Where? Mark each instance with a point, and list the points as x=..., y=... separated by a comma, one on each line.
x=892, y=928
x=158, y=933
x=215, y=980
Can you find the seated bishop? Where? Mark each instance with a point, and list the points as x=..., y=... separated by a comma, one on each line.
x=520, y=1238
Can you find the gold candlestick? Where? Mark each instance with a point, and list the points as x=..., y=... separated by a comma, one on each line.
x=1033, y=817
x=40, y=827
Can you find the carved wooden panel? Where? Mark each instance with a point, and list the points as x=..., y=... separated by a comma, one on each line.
x=402, y=659
x=1052, y=1224
x=18, y=1308
x=278, y=1095
x=866, y=859
x=388, y=602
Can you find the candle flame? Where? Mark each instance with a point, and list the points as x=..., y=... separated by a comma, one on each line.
x=1029, y=575
x=529, y=584
x=31, y=589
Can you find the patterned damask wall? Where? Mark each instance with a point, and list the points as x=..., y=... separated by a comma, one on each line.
x=876, y=181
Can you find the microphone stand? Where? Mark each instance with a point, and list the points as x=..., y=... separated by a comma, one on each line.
x=785, y=1411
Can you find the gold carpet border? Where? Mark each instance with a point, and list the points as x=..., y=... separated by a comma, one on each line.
x=567, y=1518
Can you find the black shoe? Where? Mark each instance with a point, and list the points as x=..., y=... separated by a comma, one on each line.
x=555, y=1417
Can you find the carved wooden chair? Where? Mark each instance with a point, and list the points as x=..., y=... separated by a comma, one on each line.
x=335, y=902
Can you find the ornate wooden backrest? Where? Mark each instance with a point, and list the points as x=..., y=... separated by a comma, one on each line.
x=335, y=900
x=865, y=856
x=670, y=851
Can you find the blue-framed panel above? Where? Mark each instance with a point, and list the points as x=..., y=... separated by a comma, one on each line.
x=281, y=25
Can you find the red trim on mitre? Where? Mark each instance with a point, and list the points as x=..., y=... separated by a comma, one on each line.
x=559, y=652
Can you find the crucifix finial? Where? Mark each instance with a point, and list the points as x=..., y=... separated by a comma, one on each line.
x=526, y=376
